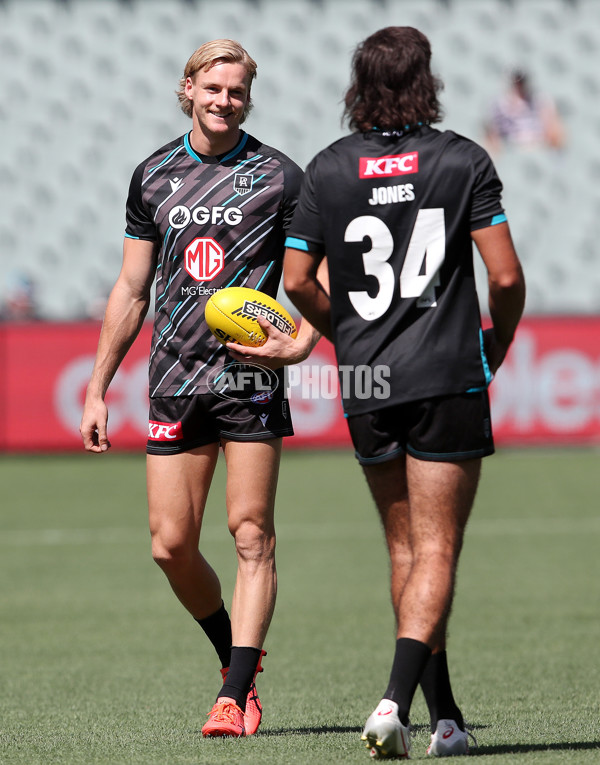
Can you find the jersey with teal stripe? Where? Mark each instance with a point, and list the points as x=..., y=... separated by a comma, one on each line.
x=393, y=212
x=219, y=222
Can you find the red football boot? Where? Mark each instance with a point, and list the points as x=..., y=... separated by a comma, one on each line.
x=253, y=713
x=224, y=719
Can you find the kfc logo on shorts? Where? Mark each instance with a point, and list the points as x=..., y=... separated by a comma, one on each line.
x=388, y=167
x=164, y=431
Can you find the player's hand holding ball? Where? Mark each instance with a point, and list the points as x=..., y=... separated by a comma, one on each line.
x=254, y=327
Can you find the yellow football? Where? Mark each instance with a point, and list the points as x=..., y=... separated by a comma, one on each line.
x=231, y=315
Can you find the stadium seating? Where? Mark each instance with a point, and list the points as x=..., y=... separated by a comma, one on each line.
x=88, y=91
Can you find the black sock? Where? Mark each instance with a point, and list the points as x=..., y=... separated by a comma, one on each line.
x=409, y=661
x=217, y=627
x=435, y=684
x=241, y=674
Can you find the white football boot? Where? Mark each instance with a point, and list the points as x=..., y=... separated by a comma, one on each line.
x=384, y=734
x=448, y=740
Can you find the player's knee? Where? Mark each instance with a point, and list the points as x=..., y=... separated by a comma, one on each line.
x=442, y=555
x=253, y=541
x=401, y=554
x=170, y=552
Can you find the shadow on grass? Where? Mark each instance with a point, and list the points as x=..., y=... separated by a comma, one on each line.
x=479, y=750
x=324, y=729
x=523, y=748
x=483, y=749
x=314, y=730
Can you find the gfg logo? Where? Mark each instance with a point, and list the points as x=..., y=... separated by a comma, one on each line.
x=181, y=216
x=243, y=382
x=388, y=167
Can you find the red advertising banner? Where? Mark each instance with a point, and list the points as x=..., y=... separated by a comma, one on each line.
x=547, y=391
x=45, y=370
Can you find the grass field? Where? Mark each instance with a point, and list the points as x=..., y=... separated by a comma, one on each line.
x=100, y=664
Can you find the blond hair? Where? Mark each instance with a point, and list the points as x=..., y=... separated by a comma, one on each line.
x=210, y=54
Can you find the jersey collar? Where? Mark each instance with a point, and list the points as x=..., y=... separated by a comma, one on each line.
x=216, y=159
x=397, y=133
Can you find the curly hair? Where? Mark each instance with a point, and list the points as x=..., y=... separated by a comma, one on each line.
x=210, y=54
x=392, y=85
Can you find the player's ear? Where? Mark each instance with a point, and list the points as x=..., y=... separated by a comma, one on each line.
x=249, y=104
x=189, y=87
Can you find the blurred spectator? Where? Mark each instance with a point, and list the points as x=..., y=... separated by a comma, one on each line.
x=19, y=301
x=522, y=118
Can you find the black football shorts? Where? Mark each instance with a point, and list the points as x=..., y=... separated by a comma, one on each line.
x=440, y=429
x=180, y=423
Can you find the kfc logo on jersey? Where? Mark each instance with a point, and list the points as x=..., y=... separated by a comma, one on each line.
x=388, y=167
x=164, y=431
x=204, y=259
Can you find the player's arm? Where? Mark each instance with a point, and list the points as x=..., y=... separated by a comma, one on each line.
x=506, y=289
x=125, y=312
x=306, y=282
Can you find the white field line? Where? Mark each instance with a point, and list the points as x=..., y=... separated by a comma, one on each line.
x=309, y=532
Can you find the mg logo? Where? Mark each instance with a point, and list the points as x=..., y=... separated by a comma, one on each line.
x=204, y=259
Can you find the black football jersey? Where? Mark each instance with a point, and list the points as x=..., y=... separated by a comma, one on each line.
x=220, y=222
x=394, y=213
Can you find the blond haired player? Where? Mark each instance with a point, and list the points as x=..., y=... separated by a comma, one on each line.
x=209, y=210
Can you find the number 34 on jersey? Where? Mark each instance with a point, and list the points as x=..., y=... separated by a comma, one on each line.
x=420, y=270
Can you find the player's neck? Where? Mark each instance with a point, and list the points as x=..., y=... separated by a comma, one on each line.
x=212, y=144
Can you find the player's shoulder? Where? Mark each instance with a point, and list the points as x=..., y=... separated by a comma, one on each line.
x=338, y=151
x=255, y=145
x=159, y=155
x=347, y=143
x=459, y=143
x=292, y=173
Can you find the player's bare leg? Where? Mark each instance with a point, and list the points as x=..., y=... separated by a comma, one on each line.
x=252, y=471
x=424, y=508
x=177, y=489
x=441, y=495
x=388, y=485
x=448, y=488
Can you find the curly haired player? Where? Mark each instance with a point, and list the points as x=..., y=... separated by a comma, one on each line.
x=394, y=207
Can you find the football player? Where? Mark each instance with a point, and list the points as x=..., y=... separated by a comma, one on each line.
x=206, y=211
x=394, y=207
